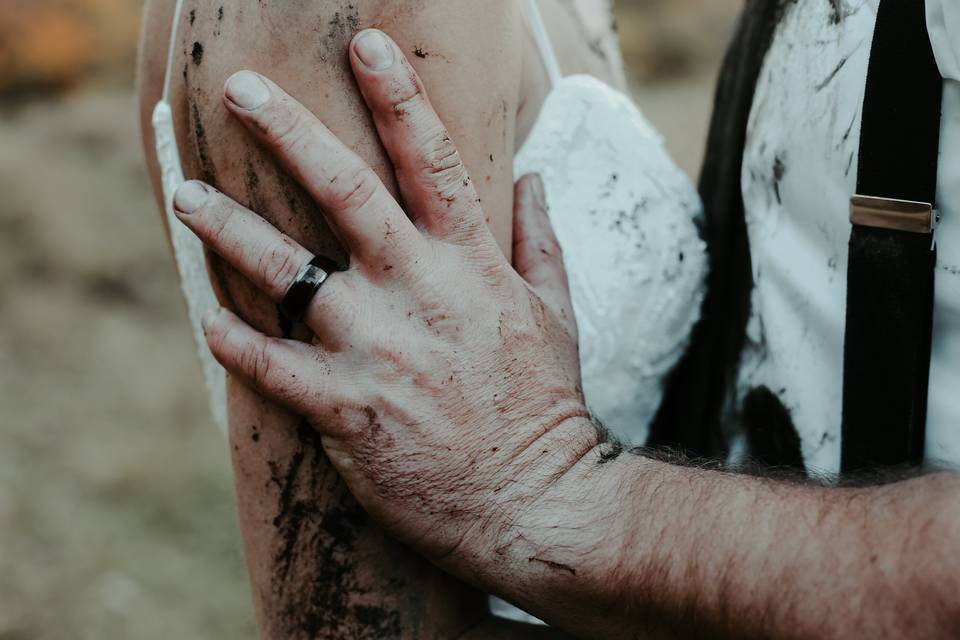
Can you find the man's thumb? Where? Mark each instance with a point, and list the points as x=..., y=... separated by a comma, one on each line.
x=537, y=255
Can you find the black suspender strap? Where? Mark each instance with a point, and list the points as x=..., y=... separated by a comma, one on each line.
x=892, y=261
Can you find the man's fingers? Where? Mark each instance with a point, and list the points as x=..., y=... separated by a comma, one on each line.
x=537, y=256
x=268, y=258
x=357, y=204
x=282, y=370
x=430, y=172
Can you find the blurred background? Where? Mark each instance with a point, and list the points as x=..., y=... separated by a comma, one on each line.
x=117, y=514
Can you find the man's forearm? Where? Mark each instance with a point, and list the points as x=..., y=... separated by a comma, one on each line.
x=632, y=547
x=739, y=556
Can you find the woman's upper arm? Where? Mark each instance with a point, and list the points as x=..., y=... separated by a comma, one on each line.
x=467, y=52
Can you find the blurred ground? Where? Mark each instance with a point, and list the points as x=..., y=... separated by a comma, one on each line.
x=116, y=506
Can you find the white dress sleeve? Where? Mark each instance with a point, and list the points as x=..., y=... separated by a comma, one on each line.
x=943, y=22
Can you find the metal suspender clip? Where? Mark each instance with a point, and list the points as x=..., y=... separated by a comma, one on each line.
x=896, y=215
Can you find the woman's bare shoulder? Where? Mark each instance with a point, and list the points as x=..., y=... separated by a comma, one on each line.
x=449, y=39
x=467, y=52
x=585, y=37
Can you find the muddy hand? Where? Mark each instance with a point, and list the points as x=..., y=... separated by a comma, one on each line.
x=445, y=383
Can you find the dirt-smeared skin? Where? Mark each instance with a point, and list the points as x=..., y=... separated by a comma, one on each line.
x=316, y=573
x=319, y=568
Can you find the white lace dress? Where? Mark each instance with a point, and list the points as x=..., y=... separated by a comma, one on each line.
x=626, y=217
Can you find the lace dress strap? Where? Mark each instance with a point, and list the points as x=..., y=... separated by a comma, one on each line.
x=547, y=53
x=187, y=248
x=168, y=73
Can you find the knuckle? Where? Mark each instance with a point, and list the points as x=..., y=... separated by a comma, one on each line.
x=328, y=300
x=439, y=152
x=220, y=223
x=442, y=161
x=278, y=268
x=495, y=273
x=217, y=338
x=298, y=394
x=327, y=295
x=355, y=188
x=286, y=129
x=407, y=98
x=255, y=361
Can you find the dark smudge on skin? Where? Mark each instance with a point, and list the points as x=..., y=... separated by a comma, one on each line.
x=251, y=181
x=383, y=622
x=208, y=171
x=197, y=53
x=315, y=570
x=340, y=29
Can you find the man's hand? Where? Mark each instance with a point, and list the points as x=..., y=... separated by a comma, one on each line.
x=444, y=382
x=446, y=388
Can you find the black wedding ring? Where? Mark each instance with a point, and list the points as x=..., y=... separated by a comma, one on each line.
x=305, y=287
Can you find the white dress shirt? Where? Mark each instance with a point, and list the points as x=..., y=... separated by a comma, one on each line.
x=799, y=171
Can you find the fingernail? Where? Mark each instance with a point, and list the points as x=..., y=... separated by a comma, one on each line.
x=246, y=90
x=209, y=318
x=190, y=197
x=374, y=50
